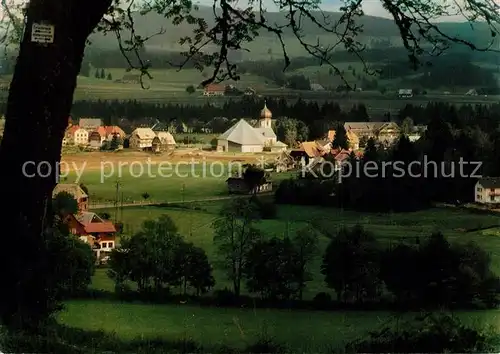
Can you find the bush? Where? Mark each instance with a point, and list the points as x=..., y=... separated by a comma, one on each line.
x=430, y=333
x=267, y=209
x=225, y=297
x=322, y=300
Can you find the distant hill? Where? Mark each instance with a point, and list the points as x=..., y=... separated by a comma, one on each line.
x=265, y=46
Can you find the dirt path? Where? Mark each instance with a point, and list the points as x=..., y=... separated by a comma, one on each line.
x=139, y=204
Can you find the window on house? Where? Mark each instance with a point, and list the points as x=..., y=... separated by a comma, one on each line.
x=479, y=189
x=110, y=244
x=492, y=198
x=492, y=189
x=104, y=245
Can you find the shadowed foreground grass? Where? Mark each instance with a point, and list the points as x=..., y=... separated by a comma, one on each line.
x=302, y=331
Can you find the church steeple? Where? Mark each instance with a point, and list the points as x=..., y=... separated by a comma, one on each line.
x=265, y=117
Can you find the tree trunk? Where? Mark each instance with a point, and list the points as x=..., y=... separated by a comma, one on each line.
x=39, y=103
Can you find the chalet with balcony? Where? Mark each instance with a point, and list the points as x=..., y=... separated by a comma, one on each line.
x=487, y=190
x=90, y=228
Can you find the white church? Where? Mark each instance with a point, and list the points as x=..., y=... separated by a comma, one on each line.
x=242, y=137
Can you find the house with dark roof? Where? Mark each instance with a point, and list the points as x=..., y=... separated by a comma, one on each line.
x=487, y=190
x=90, y=123
x=76, y=191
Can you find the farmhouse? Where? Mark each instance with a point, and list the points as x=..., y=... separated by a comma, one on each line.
x=317, y=87
x=383, y=132
x=405, y=93
x=159, y=127
x=242, y=137
x=141, y=138
x=90, y=123
x=112, y=130
x=214, y=90
x=417, y=132
x=130, y=79
x=487, y=190
x=76, y=191
x=95, y=140
x=93, y=230
x=167, y=141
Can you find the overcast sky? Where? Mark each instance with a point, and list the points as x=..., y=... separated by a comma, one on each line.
x=370, y=7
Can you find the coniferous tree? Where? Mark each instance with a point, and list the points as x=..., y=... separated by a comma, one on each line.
x=340, y=141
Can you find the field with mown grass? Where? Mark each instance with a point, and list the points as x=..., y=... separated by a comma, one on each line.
x=164, y=178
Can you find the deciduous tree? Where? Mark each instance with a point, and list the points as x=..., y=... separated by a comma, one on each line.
x=234, y=235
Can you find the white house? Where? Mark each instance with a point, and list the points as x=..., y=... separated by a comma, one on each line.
x=75, y=135
x=141, y=138
x=487, y=190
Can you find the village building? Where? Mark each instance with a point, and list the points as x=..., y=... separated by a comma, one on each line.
x=99, y=234
x=112, y=131
x=214, y=90
x=405, y=93
x=90, y=123
x=145, y=122
x=76, y=191
x=126, y=125
x=141, y=138
x=242, y=137
x=167, y=141
x=417, y=132
x=487, y=190
x=130, y=79
x=382, y=132
x=238, y=185
x=160, y=127
x=317, y=87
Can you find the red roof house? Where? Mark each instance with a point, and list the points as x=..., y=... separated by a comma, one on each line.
x=214, y=90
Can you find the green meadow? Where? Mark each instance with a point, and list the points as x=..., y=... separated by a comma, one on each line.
x=194, y=221
x=304, y=331
x=173, y=183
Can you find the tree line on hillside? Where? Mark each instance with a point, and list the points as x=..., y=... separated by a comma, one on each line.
x=317, y=117
x=448, y=71
x=394, y=65
x=355, y=266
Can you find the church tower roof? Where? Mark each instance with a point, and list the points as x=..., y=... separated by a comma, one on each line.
x=265, y=113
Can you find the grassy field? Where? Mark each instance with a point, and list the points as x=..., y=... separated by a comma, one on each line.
x=303, y=331
x=195, y=226
x=169, y=86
